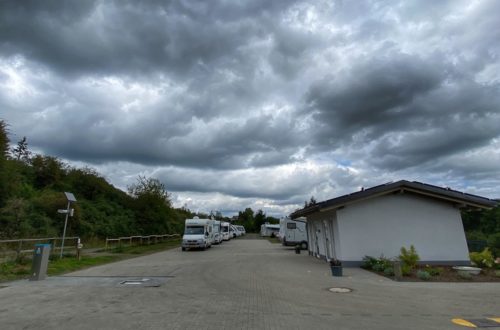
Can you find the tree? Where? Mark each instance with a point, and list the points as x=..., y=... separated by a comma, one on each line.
x=152, y=205
x=21, y=152
x=312, y=202
x=260, y=219
x=4, y=148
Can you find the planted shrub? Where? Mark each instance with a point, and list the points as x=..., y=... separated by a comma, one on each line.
x=434, y=271
x=378, y=267
x=405, y=270
x=369, y=262
x=423, y=275
x=409, y=257
x=465, y=276
x=389, y=271
x=482, y=259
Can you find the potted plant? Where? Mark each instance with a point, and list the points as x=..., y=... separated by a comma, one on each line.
x=336, y=266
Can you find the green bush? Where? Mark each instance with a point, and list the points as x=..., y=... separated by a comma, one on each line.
x=405, y=270
x=423, y=275
x=434, y=271
x=369, y=262
x=389, y=271
x=497, y=273
x=465, y=276
x=482, y=259
x=409, y=257
x=378, y=267
x=494, y=244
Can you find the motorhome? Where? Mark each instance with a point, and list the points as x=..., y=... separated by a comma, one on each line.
x=198, y=233
x=224, y=226
x=242, y=230
x=217, y=232
x=268, y=229
x=293, y=232
x=232, y=231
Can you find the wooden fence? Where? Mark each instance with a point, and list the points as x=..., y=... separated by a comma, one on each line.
x=15, y=246
x=139, y=240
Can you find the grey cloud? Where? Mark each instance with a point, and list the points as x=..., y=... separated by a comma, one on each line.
x=376, y=92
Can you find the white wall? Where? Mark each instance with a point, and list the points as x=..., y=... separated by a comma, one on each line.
x=384, y=224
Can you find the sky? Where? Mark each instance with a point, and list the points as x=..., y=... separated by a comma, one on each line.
x=262, y=104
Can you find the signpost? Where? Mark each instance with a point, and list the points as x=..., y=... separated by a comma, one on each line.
x=71, y=198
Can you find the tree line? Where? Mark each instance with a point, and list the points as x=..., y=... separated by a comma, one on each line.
x=31, y=192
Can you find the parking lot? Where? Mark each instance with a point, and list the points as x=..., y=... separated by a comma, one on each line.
x=241, y=284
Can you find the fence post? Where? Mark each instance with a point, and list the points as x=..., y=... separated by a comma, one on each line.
x=19, y=248
x=106, y=245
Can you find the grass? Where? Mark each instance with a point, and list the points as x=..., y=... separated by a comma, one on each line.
x=21, y=269
x=274, y=240
x=145, y=249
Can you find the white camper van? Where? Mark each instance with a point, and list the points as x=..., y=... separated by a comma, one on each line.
x=217, y=232
x=293, y=232
x=198, y=233
x=224, y=226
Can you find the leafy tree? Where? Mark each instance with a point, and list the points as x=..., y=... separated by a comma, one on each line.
x=21, y=151
x=151, y=205
x=48, y=171
x=260, y=219
x=311, y=202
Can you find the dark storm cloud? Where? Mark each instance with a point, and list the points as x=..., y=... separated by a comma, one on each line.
x=130, y=37
x=258, y=99
x=373, y=95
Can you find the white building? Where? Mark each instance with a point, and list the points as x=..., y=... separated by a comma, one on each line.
x=380, y=220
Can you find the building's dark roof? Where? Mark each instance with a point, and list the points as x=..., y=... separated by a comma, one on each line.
x=447, y=194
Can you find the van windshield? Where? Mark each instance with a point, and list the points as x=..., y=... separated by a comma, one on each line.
x=225, y=229
x=194, y=230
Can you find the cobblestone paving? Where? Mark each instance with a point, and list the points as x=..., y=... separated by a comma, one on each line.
x=241, y=284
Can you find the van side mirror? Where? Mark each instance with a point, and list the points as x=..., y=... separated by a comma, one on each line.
x=206, y=234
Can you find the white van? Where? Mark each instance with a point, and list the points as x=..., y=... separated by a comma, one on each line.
x=217, y=232
x=241, y=230
x=198, y=233
x=293, y=232
x=224, y=226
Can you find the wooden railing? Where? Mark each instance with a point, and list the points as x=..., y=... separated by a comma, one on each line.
x=11, y=246
x=139, y=240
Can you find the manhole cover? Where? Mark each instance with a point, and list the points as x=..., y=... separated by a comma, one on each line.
x=340, y=290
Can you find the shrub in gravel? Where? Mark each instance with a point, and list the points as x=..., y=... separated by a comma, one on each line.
x=423, y=275
x=389, y=271
x=465, y=276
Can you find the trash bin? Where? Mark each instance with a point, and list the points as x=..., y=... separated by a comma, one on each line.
x=40, y=262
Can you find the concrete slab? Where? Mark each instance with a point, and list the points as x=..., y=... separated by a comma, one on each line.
x=241, y=284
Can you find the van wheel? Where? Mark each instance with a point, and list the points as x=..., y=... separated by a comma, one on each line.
x=303, y=245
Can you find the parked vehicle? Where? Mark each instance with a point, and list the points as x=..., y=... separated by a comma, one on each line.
x=293, y=232
x=232, y=231
x=225, y=231
x=242, y=230
x=217, y=232
x=268, y=230
x=198, y=233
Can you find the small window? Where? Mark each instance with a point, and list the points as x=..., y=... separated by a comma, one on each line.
x=291, y=225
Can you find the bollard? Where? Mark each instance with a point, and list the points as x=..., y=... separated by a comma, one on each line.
x=398, y=273
x=40, y=262
x=297, y=249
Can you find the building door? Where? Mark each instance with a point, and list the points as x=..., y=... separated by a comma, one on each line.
x=326, y=231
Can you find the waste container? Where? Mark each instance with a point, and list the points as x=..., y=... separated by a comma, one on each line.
x=40, y=262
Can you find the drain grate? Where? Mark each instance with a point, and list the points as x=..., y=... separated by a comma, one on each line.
x=142, y=282
x=340, y=290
